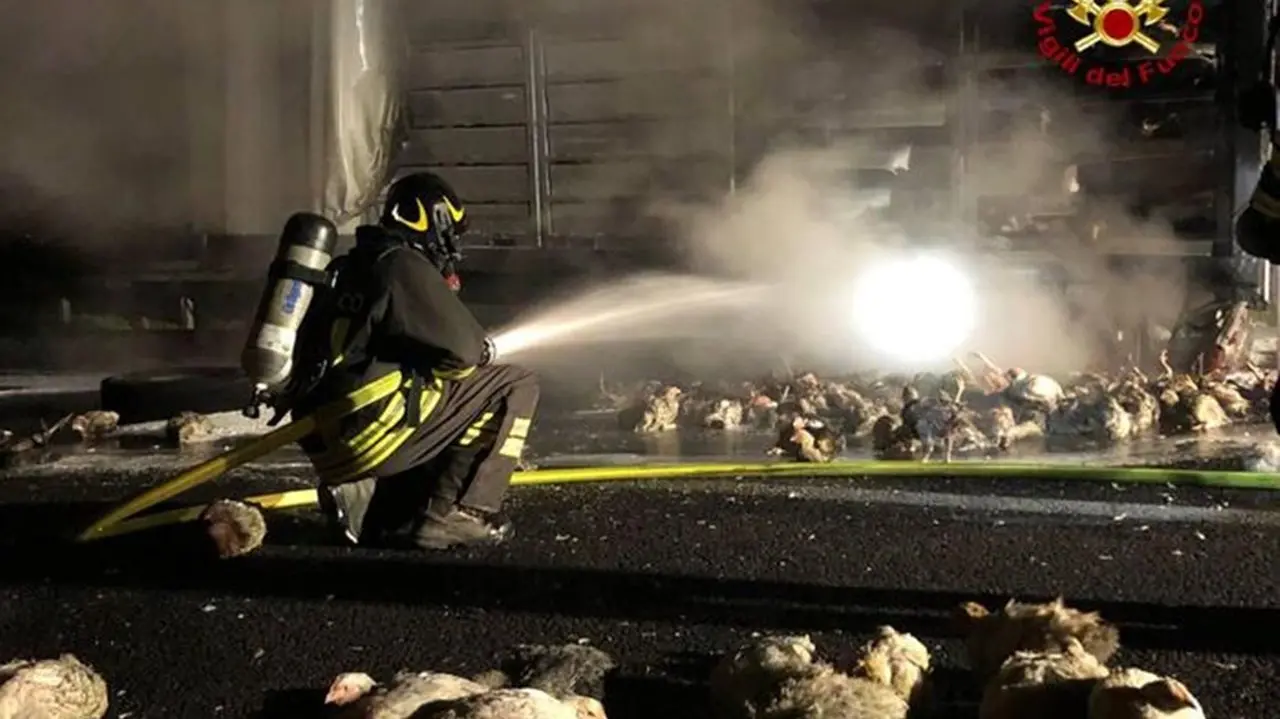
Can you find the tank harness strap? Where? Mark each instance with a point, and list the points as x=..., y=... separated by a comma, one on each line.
x=413, y=398
x=302, y=273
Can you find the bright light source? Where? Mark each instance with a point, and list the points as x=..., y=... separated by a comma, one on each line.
x=917, y=310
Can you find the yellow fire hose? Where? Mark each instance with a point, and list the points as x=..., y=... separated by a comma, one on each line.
x=212, y=469
x=122, y=521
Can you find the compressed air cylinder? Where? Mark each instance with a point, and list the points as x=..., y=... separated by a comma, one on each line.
x=306, y=248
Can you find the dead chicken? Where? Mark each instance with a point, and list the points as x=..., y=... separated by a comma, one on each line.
x=360, y=697
x=1229, y=397
x=897, y=660
x=1143, y=407
x=1184, y=405
x=661, y=411
x=93, y=426
x=933, y=421
x=1190, y=411
x=1043, y=684
x=1023, y=389
x=62, y=688
x=188, y=428
x=890, y=440
x=724, y=414
x=1095, y=417
x=807, y=439
x=761, y=411
x=564, y=672
x=1138, y=694
x=1258, y=389
x=1001, y=425
x=848, y=408
x=808, y=390
x=236, y=528
x=778, y=678
x=513, y=704
x=741, y=681
x=993, y=637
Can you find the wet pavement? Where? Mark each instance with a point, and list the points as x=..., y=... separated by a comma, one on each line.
x=662, y=574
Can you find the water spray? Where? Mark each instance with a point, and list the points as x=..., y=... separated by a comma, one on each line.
x=622, y=312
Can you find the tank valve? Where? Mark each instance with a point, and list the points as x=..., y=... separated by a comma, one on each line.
x=260, y=396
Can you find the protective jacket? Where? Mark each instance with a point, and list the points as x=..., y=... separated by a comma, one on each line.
x=1258, y=226
x=390, y=324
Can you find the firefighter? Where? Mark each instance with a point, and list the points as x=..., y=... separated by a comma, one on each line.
x=430, y=463
x=1258, y=227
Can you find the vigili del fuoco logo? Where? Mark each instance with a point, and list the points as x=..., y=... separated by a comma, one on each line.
x=1075, y=38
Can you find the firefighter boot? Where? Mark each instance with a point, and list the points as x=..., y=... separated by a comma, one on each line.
x=459, y=526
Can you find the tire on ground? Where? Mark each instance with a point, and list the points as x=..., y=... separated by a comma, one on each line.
x=154, y=395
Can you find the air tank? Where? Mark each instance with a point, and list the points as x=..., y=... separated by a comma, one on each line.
x=298, y=271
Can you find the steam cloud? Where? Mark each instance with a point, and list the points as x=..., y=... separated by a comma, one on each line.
x=800, y=222
x=100, y=120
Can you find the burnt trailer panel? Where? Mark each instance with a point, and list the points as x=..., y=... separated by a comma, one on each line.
x=565, y=123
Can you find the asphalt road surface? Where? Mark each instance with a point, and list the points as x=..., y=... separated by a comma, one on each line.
x=662, y=575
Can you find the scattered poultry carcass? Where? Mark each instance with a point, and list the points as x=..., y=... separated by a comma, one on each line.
x=1132, y=392
x=657, y=411
x=93, y=426
x=513, y=704
x=1043, y=684
x=359, y=696
x=897, y=660
x=1185, y=407
x=236, y=528
x=62, y=688
x=1258, y=389
x=807, y=439
x=761, y=410
x=808, y=392
x=1094, y=416
x=851, y=411
x=725, y=414
x=565, y=671
x=743, y=680
x=1002, y=426
x=890, y=440
x=993, y=637
x=188, y=428
x=778, y=677
x=933, y=421
x=1026, y=391
x=1138, y=694
x=1229, y=397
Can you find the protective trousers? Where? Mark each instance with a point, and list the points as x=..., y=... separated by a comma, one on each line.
x=462, y=455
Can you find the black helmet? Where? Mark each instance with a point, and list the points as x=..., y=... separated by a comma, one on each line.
x=425, y=210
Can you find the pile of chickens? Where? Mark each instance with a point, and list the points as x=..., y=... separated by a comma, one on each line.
x=971, y=412
x=1030, y=661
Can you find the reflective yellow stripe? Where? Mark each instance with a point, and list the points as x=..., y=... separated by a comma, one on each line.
x=338, y=339
x=364, y=440
x=463, y=373
x=1265, y=204
x=520, y=428
x=512, y=448
x=373, y=392
x=364, y=462
x=476, y=429
x=368, y=461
